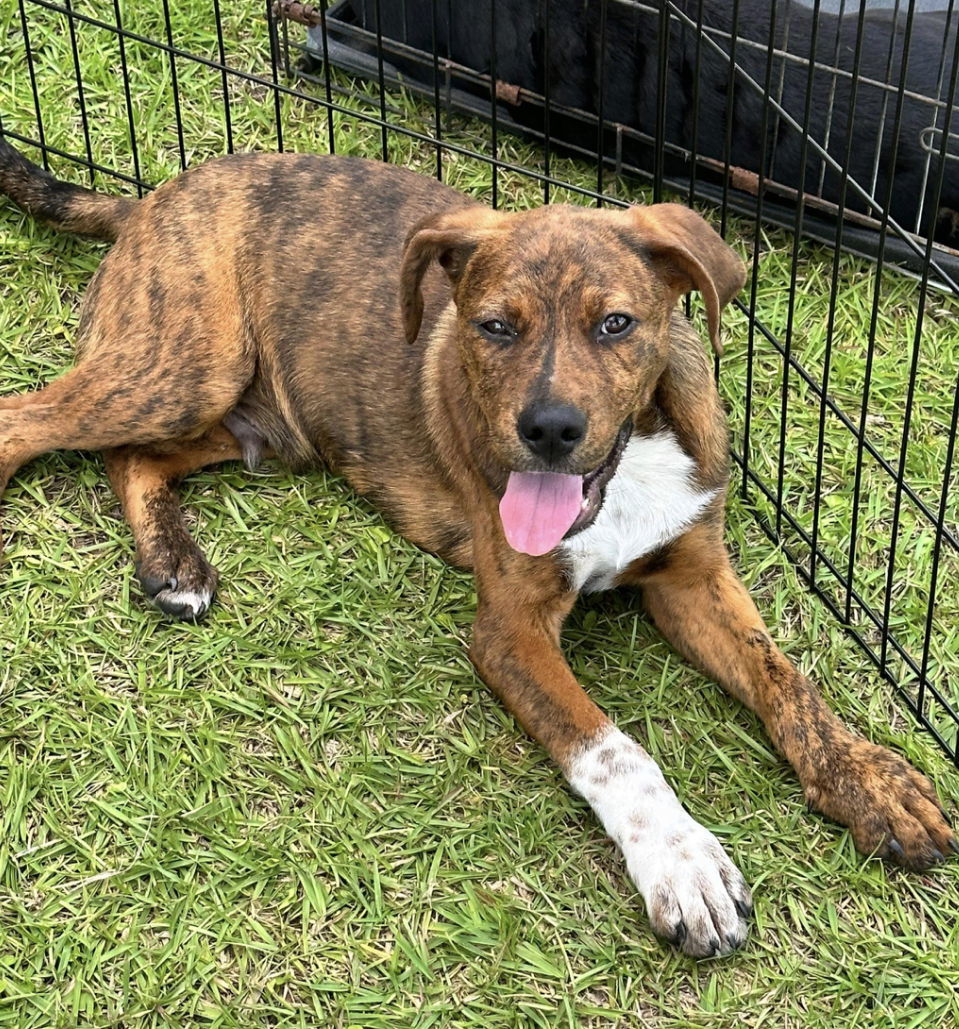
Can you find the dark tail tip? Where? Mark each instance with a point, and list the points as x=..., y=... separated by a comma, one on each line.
x=62, y=204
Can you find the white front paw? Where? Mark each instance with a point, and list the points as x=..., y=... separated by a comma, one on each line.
x=695, y=896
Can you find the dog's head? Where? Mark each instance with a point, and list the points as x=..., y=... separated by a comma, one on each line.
x=563, y=320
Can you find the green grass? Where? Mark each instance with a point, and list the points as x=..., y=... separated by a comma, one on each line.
x=307, y=811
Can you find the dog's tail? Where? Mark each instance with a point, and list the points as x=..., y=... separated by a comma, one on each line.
x=65, y=206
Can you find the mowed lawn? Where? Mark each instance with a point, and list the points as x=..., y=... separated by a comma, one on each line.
x=307, y=810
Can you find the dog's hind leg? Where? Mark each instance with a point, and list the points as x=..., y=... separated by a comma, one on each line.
x=171, y=568
x=23, y=434
x=138, y=393
x=84, y=410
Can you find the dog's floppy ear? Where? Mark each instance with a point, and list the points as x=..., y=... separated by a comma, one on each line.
x=690, y=254
x=449, y=239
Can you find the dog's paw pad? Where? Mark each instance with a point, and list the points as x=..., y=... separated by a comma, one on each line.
x=696, y=897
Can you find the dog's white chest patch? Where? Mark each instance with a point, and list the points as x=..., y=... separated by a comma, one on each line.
x=649, y=501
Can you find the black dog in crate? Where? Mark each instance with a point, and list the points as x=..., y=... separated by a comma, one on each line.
x=876, y=93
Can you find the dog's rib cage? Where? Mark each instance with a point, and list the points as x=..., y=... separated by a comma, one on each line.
x=357, y=62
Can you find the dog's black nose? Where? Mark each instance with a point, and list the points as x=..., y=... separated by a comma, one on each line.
x=551, y=431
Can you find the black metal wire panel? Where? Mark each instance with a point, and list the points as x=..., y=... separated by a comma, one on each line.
x=786, y=77
x=871, y=528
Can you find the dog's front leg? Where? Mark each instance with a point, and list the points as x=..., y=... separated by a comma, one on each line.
x=701, y=607
x=695, y=896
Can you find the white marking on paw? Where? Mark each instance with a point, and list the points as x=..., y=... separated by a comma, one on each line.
x=194, y=603
x=694, y=894
x=649, y=501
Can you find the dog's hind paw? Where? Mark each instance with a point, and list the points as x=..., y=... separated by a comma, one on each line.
x=187, y=605
x=186, y=593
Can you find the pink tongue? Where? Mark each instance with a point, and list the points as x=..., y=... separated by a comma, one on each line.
x=538, y=508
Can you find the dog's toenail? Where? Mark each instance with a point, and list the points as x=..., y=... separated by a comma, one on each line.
x=744, y=908
x=953, y=846
x=895, y=847
x=937, y=855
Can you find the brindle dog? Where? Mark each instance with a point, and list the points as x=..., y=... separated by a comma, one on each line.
x=517, y=392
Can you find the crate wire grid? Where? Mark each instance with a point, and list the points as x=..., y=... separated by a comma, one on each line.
x=373, y=55
x=907, y=664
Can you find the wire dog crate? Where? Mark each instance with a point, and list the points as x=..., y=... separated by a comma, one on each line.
x=793, y=75
x=844, y=404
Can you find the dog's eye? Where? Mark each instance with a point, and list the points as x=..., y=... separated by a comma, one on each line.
x=614, y=325
x=496, y=330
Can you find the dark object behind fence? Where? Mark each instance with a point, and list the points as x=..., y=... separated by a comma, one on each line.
x=755, y=95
